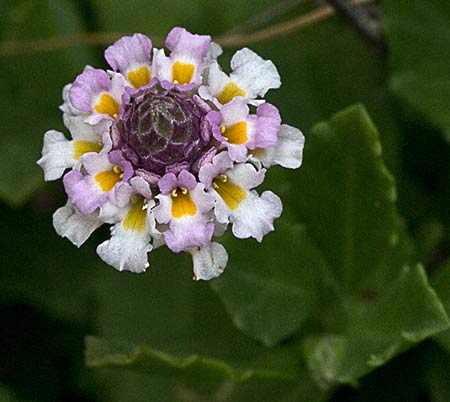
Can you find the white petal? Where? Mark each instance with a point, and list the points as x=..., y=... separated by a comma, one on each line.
x=128, y=246
x=80, y=130
x=163, y=211
x=162, y=65
x=157, y=238
x=126, y=250
x=237, y=153
x=235, y=111
x=67, y=106
x=254, y=74
x=57, y=155
x=121, y=194
x=221, y=210
x=246, y=175
x=95, y=163
x=68, y=222
x=214, y=51
x=203, y=201
x=217, y=80
x=209, y=262
x=255, y=216
x=118, y=84
x=141, y=186
x=111, y=213
x=289, y=150
x=205, y=93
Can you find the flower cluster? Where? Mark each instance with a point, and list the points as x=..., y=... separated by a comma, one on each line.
x=168, y=150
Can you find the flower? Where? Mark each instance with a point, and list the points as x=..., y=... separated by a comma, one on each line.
x=168, y=149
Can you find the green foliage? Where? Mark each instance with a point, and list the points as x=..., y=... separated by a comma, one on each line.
x=441, y=283
x=340, y=288
x=183, y=333
x=408, y=312
x=270, y=291
x=365, y=320
x=344, y=199
x=34, y=85
x=102, y=354
x=418, y=33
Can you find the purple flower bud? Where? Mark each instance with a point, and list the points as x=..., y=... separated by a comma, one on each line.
x=157, y=131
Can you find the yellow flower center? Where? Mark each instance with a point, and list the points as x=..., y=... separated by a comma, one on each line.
x=108, y=179
x=140, y=77
x=231, y=194
x=229, y=92
x=107, y=105
x=182, y=72
x=137, y=215
x=235, y=134
x=81, y=147
x=182, y=203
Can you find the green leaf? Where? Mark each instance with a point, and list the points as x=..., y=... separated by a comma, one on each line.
x=184, y=335
x=267, y=289
x=418, y=33
x=350, y=249
x=131, y=386
x=429, y=236
x=345, y=199
x=193, y=368
x=441, y=283
x=408, y=312
x=31, y=85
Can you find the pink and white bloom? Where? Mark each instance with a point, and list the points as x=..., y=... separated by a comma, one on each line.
x=209, y=261
x=135, y=233
x=239, y=131
x=98, y=94
x=70, y=223
x=130, y=56
x=164, y=149
x=186, y=61
x=60, y=153
x=231, y=185
x=184, y=206
x=251, y=78
x=105, y=174
x=288, y=151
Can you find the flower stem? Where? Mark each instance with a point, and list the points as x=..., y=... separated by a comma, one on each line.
x=13, y=47
x=362, y=21
x=266, y=16
x=281, y=29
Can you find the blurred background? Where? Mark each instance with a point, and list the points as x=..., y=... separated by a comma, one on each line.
x=53, y=295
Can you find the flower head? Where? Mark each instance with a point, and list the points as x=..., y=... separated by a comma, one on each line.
x=168, y=149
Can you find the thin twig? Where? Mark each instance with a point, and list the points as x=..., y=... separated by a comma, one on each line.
x=362, y=21
x=12, y=48
x=265, y=16
x=281, y=29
